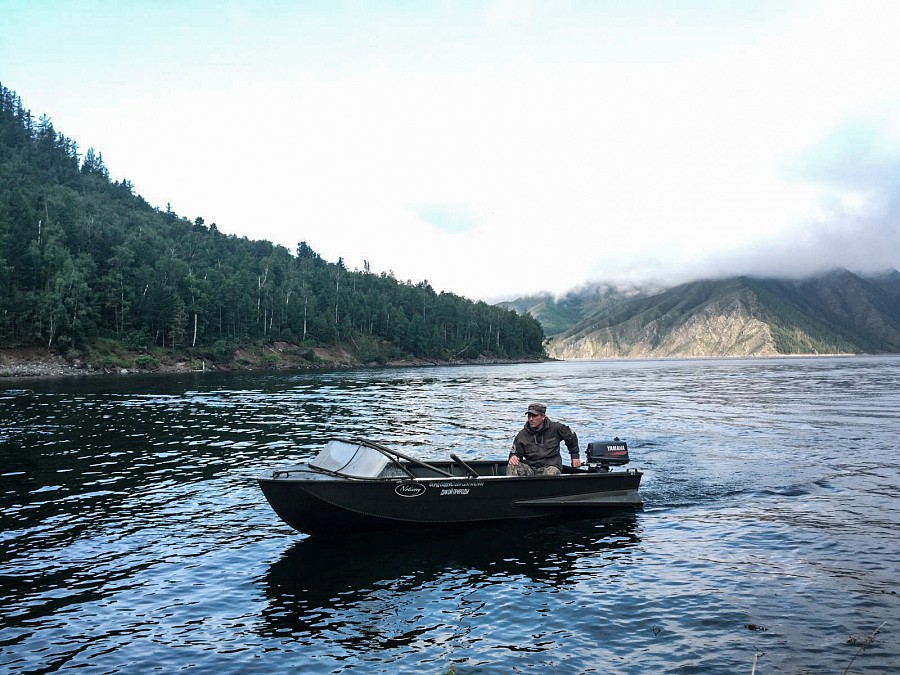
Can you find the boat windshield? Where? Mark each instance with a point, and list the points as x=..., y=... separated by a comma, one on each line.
x=350, y=458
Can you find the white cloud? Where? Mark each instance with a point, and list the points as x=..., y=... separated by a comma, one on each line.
x=508, y=148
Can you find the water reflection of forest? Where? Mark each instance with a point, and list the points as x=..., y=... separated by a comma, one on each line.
x=319, y=576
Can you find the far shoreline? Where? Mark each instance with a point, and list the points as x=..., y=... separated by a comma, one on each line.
x=26, y=365
x=17, y=365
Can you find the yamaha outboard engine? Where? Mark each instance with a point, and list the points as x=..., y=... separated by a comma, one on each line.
x=601, y=455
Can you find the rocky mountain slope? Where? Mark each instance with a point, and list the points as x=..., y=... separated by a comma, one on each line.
x=837, y=313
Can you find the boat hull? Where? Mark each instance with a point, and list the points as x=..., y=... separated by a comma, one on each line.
x=335, y=506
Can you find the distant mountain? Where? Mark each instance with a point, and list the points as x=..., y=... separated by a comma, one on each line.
x=839, y=312
x=889, y=282
x=559, y=315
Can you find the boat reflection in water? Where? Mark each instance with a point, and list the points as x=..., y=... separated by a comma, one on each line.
x=347, y=589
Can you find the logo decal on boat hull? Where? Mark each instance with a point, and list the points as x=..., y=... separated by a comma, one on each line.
x=410, y=489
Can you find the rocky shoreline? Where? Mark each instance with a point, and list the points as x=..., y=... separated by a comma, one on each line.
x=34, y=362
x=40, y=370
x=37, y=363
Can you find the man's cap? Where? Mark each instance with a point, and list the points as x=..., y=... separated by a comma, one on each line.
x=537, y=409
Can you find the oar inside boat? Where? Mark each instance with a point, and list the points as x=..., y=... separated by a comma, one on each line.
x=469, y=470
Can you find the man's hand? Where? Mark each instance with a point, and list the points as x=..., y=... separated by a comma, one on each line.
x=576, y=462
x=513, y=460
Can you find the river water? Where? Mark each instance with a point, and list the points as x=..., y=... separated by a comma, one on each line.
x=134, y=537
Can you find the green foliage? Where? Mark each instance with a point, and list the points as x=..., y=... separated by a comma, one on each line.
x=146, y=362
x=84, y=258
x=220, y=351
x=111, y=362
x=107, y=354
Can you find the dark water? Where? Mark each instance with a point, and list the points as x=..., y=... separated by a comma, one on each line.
x=133, y=540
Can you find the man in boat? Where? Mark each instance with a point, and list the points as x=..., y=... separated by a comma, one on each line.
x=535, y=450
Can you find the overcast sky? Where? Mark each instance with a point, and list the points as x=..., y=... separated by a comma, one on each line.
x=493, y=148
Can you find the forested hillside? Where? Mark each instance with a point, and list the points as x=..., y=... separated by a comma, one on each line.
x=88, y=266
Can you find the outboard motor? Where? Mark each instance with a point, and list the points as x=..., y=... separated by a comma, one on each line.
x=601, y=455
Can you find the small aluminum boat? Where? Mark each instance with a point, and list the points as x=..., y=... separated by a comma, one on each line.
x=356, y=485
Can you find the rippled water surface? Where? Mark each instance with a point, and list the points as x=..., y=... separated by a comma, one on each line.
x=134, y=537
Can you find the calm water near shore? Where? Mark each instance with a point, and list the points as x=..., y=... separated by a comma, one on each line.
x=133, y=537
